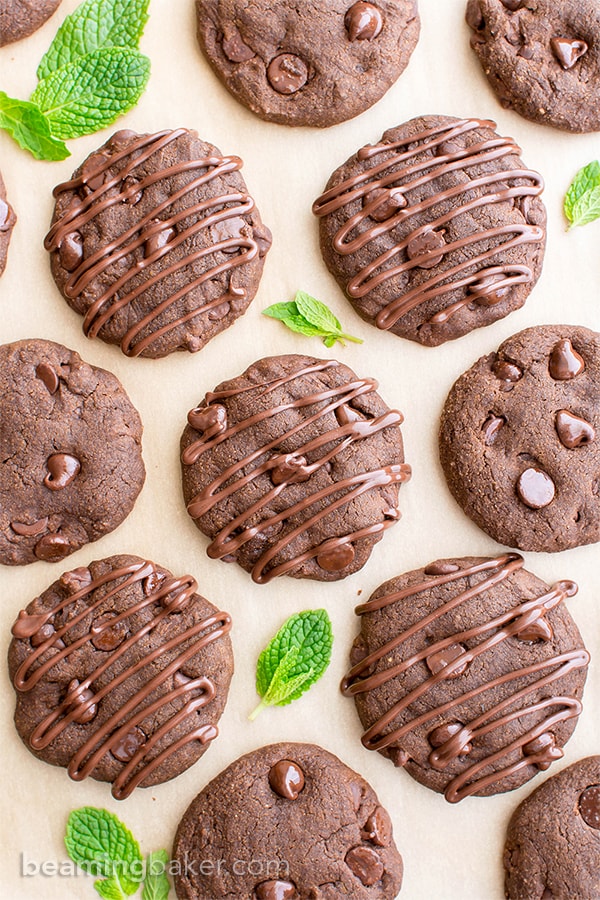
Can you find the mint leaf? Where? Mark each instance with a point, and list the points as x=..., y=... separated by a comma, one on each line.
x=294, y=659
x=93, y=91
x=101, y=844
x=27, y=125
x=281, y=310
x=587, y=208
x=156, y=885
x=585, y=180
x=317, y=313
x=109, y=888
x=94, y=25
x=310, y=317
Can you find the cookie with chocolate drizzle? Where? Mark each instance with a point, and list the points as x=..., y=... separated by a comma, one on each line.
x=293, y=468
x=121, y=672
x=542, y=58
x=71, y=463
x=519, y=439
x=156, y=242
x=286, y=822
x=468, y=673
x=435, y=230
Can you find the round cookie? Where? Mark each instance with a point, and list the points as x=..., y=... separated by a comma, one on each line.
x=468, y=673
x=519, y=439
x=71, y=464
x=156, y=242
x=121, y=672
x=20, y=18
x=553, y=841
x=318, y=64
x=286, y=822
x=293, y=468
x=435, y=230
x=7, y=223
x=542, y=58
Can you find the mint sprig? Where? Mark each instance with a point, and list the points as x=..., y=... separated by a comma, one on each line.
x=306, y=315
x=582, y=200
x=294, y=659
x=102, y=845
x=92, y=73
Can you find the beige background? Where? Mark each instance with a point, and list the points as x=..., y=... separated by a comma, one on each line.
x=449, y=852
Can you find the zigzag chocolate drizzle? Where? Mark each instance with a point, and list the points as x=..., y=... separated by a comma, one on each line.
x=82, y=700
x=488, y=283
x=211, y=421
x=159, y=236
x=536, y=743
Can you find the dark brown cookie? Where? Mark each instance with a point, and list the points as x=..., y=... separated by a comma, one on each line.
x=469, y=674
x=156, y=242
x=20, y=18
x=121, y=672
x=316, y=64
x=286, y=822
x=519, y=439
x=293, y=468
x=7, y=223
x=553, y=843
x=436, y=230
x=70, y=442
x=542, y=58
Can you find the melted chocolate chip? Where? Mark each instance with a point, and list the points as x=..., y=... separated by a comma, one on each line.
x=291, y=470
x=152, y=582
x=52, y=547
x=438, y=661
x=287, y=73
x=565, y=362
x=540, y=630
x=228, y=230
x=545, y=747
x=535, y=488
x=24, y=529
x=70, y=251
x=209, y=420
x=74, y=702
x=568, y=52
x=426, y=244
x=378, y=828
x=234, y=47
x=513, y=5
x=286, y=779
x=444, y=733
x=507, y=372
x=572, y=430
x=275, y=890
x=125, y=747
x=589, y=806
x=388, y=202
x=42, y=634
x=441, y=567
x=76, y=579
x=62, y=470
x=336, y=558
x=48, y=376
x=108, y=637
x=491, y=427
x=131, y=192
x=363, y=22
x=366, y=864
x=483, y=291
x=218, y=312
x=159, y=236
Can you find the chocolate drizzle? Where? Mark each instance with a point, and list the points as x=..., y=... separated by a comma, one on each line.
x=398, y=170
x=83, y=701
x=160, y=231
x=457, y=742
x=337, y=552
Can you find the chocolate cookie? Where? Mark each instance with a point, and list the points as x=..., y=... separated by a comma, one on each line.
x=435, y=230
x=542, y=58
x=156, y=242
x=553, y=842
x=468, y=673
x=121, y=672
x=20, y=18
x=293, y=468
x=287, y=821
x=317, y=63
x=7, y=223
x=70, y=442
x=518, y=439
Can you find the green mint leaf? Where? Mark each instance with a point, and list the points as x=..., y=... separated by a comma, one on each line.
x=310, y=317
x=587, y=208
x=156, y=885
x=281, y=310
x=94, y=25
x=109, y=888
x=27, y=125
x=101, y=844
x=294, y=659
x=92, y=92
x=585, y=180
x=317, y=313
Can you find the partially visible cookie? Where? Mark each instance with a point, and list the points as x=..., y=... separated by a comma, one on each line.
x=156, y=242
x=121, y=672
x=542, y=58
x=293, y=468
x=553, y=842
x=469, y=674
x=319, y=63
x=520, y=439
x=435, y=230
x=7, y=223
x=287, y=822
x=70, y=452
x=20, y=18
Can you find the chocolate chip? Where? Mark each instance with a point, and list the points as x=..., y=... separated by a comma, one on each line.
x=291, y=469
x=286, y=779
x=70, y=251
x=234, y=47
x=506, y=371
x=24, y=529
x=439, y=660
x=336, y=558
x=388, y=201
x=42, y=634
x=152, y=583
x=565, y=362
x=52, y=547
x=378, y=828
x=568, y=52
x=209, y=420
x=366, y=864
x=108, y=637
x=48, y=376
x=589, y=806
x=545, y=748
x=125, y=747
x=363, y=22
x=572, y=430
x=441, y=567
x=491, y=427
x=158, y=237
x=275, y=890
x=426, y=244
x=74, y=702
x=540, y=630
x=131, y=193
x=287, y=73
x=535, y=488
x=76, y=579
x=446, y=732
x=62, y=470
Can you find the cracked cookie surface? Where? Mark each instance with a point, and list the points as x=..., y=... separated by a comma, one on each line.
x=71, y=466
x=287, y=822
x=520, y=439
